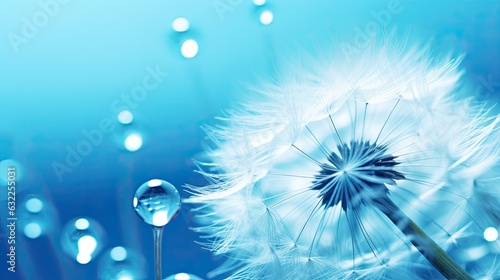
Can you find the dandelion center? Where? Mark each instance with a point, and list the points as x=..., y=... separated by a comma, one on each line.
x=356, y=174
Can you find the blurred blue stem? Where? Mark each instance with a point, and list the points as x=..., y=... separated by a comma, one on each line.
x=157, y=233
x=429, y=249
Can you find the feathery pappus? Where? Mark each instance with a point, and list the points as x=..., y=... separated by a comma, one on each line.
x=378, y=167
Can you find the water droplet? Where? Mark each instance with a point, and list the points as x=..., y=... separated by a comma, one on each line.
x=161, y=197
x=125, y=117
x=180, y=24
x=266, y=17
x=189, y=48
x=121, y=263
x=183, y=276
x=82, y=239
x=491, y=234
x=133, y=142
x=259, y=2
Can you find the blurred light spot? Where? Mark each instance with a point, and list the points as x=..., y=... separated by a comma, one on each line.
x=133, y=142
x=86, y=245
x=266, y=17
x=154, y=183
x=82, y=224
x=83, y=258
x=125, y=117
x=180, y=24
x=34, y=205
x=5, y=165
x=124, y=275
x=259, y=2
x=135, y=202
x=491, y=234
x=118, y=254
x=32, y=230
x=189, y=48
x=82, y=239
x=477, y=252
x=160, y=218
x=115, y=265
x=182, y=276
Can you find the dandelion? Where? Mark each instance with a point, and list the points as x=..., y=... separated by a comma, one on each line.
x=377, y=168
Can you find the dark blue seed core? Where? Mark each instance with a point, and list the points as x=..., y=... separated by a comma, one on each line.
x=356, y=174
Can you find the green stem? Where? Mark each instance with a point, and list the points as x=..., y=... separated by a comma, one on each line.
x=429, y=249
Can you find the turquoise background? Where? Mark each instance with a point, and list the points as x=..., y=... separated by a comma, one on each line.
x=66, y=78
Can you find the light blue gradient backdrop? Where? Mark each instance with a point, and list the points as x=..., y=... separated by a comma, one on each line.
x=65, y=79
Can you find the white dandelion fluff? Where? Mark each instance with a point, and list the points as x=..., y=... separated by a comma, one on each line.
x=374, y=168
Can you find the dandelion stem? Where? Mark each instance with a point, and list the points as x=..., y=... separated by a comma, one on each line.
x=429, y=249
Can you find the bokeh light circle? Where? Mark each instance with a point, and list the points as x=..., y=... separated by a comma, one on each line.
x=189, y=48
x=34, y=205
x=259, y=2
x=32, y=230
x=121, y=263
x=183, y=276
x=180, y=24
x=7, y=164
x=125, y=117
x=118, y=253
x=133, y=142
x=266, y=17
x=491, y=234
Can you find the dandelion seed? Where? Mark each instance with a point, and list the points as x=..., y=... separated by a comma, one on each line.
x=356, y=170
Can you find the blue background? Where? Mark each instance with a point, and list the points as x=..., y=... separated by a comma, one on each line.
x=65, y=79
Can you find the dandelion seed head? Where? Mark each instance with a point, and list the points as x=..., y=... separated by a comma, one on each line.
x=356, y=175
x=297, y=175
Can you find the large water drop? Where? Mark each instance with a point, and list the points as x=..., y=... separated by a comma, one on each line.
x=157, y=202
